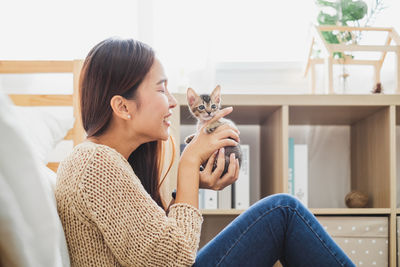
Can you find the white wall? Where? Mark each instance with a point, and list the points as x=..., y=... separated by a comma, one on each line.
x=193, y=38
x=51, y=29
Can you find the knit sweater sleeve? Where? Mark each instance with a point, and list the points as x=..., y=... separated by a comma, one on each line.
x=136, y=230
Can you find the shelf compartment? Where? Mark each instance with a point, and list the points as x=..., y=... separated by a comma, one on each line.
x=271, y=122
x=330, y=115
x=240, y=115
x=370, y=157
x=212, y=226
x=370, y=144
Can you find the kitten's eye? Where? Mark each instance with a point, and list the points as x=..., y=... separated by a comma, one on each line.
x=213, y=106
x=201, y=107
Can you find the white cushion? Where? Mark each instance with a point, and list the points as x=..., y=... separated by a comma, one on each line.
x=30, y=229
x=44, y=129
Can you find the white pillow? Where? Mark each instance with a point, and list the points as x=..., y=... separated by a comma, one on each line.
x=30, y=229
x=44, y=129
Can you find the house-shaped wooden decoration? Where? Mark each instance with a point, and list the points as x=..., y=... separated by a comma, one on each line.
x=328, y=51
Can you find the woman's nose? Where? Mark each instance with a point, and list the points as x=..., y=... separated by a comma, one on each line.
x=172, y=101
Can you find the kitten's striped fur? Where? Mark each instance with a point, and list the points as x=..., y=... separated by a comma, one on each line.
x=203, y=107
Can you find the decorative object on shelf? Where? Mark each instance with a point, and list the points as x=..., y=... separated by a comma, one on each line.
x=356, y=199
x=329, y=60
x=378, y=89
x=345, y=74
x=342, y=13
x=345, y=13
x=337, y=39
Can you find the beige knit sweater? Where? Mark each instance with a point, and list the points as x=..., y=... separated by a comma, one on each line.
x=109, y=219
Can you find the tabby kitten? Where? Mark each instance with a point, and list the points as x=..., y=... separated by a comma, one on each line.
x=203, y=108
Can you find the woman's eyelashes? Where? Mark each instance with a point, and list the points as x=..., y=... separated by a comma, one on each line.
x=161, y=88
x=164, y=89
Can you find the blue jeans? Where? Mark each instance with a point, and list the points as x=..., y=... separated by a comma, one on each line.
x=277, y=227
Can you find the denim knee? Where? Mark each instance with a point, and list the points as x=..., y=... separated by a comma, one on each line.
x=281, y=199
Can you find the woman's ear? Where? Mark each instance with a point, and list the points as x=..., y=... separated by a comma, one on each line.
x=121, y=108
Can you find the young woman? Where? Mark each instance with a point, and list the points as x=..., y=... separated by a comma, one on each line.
x=108, y=188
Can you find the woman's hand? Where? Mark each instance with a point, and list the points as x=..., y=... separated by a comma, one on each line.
x=198, y=151
x=212, y=179
x=203, y=145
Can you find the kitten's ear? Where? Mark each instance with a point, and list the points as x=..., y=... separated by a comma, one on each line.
x=216, y=95
x=191, y=96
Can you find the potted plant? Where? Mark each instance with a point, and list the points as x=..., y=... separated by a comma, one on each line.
x=346, y=13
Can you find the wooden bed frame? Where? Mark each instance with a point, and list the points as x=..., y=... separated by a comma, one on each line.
x=77, y=133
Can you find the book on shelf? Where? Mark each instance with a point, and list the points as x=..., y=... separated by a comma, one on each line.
x=210, y=199
x=241, y=188
x=182, y=147
x=300, y=172
x=225, y=198
x=236, y=195
x=201, y=199
x=291, y=167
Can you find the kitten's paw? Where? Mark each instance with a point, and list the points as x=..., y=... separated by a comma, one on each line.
x=211, y=128
x=189, y=138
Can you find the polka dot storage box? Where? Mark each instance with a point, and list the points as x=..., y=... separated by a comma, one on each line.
x=363, y=239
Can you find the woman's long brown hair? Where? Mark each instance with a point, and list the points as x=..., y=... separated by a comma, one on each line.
x=117, y=67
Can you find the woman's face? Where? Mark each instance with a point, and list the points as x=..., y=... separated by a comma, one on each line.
x=151, y=121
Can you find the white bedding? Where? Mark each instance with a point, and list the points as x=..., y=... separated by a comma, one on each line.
x=30, y=229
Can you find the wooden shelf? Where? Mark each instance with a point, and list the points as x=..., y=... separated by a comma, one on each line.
x=263, y=100
x=222, y=212
x=371, y=119
x=259, y=114
x=350, y=211
x=329, y=211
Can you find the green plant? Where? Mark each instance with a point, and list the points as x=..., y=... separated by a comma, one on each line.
x=346, y=13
